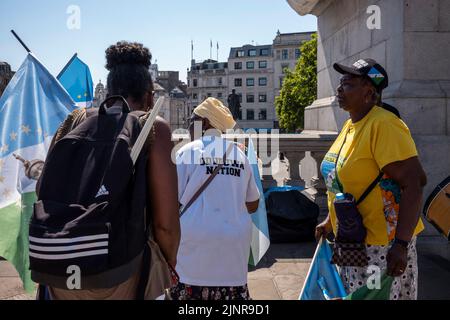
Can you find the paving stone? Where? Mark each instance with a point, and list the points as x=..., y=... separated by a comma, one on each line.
x=289, y=286
x=263, y=289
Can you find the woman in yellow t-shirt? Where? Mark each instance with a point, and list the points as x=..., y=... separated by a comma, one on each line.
x=375, y=139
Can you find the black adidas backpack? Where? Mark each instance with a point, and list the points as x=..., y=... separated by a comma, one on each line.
x=91, y=210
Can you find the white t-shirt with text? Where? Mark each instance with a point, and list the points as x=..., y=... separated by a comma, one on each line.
x=216, y=230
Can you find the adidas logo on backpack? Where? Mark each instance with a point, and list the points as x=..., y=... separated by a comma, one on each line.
x=102, y=192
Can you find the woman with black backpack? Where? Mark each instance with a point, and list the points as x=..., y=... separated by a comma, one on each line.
x=133, y=202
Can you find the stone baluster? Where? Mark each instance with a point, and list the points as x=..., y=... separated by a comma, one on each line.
x=295, y=157
x=318, y=187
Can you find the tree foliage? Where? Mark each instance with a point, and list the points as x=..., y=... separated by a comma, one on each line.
x=299, y=88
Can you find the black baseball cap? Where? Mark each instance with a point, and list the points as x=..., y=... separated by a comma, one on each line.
x=366, y=68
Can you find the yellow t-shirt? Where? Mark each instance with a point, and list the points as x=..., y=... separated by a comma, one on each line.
x=377, y=140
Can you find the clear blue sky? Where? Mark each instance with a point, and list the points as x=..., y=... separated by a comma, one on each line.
x=165, y=26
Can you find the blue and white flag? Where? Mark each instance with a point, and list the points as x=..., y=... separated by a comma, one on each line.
x=76, y=78
x=323, y=281
x=31, y=109
x=260, y=228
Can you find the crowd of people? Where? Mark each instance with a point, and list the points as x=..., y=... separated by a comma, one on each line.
x=200, y=207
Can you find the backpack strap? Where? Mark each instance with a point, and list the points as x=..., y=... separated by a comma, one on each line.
x=143, y=117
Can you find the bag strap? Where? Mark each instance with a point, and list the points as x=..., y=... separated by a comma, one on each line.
x=139, y=144
x=369, y=188
x=145, y=273
x=207, y=182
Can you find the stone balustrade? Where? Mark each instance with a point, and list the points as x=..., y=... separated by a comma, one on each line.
x=305, y=150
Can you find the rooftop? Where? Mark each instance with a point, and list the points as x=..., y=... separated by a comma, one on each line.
x=251, y=51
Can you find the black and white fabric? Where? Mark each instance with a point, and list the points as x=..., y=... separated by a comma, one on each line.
x=403, y=287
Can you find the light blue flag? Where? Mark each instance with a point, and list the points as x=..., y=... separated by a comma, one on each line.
x=323, y=281
x=76, y=78
x=260, y=228
x=31, y=109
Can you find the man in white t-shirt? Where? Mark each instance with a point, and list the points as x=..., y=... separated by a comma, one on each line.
x=216, y=229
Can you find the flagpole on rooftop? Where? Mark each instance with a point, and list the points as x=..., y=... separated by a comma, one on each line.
x=20, y=40
x=67, y=65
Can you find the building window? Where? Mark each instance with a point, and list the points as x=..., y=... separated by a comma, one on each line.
x=285, y=54
x=195, y=82
x=263, y=98
x=238, y=82
x=219, y=81
x=252, y=53
x=240, y=53
x=250, y=82
x=238, y=65
x=250, y=114
x=195, y=96
x=250, y=65
x=284, y=67
x=263, y=81
x=298, y=53
x=281, y=82
x=209, y=95
x=264, y=52
x=263, y=64
x=219, y=95
x=262, y=115
x=250, y=98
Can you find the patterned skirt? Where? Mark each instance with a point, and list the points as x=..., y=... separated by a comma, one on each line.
x=186, y=292
x=403, y=287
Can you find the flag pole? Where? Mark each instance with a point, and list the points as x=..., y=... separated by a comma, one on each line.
x=20, y=40
x=67, y=65
x=311, y=265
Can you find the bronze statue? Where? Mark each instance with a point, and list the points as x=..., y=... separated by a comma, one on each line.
x=33, y=168
x=234, y=104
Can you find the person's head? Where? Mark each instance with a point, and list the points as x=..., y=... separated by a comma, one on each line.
x=211, y=114
x=128, y=64
x=233, y=91
x=361, y=84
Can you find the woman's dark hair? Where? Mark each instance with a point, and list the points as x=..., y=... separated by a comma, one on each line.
x=128, y=64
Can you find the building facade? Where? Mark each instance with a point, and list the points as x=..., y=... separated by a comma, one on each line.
x=99, y=95
x=207, y=79
x=286, y=52
x=251, y=75
x=5, y=76
x=254, y=72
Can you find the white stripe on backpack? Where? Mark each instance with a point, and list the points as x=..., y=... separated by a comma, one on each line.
x=69, y=248
x=69, y=240
x=68, y=256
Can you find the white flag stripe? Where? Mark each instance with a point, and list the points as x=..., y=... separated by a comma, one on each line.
x=87, y=104
x=68, y=256
x=69, y=248
x=11, y=167
x=69, y=240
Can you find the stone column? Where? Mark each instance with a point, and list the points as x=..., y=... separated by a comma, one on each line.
x=267, y=178
x=413, y=44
